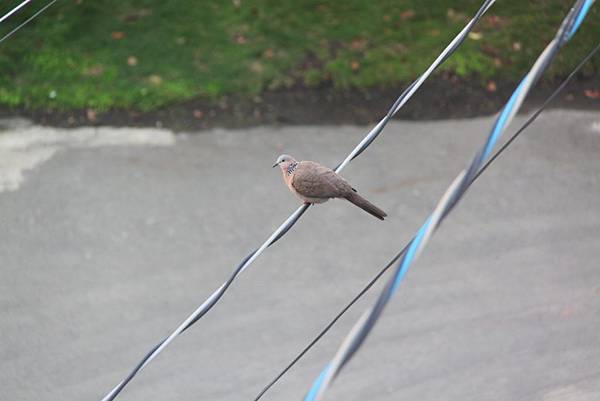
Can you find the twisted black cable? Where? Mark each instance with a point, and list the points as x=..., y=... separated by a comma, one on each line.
x=289, y=223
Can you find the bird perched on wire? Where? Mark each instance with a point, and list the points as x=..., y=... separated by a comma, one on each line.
x=315, y=183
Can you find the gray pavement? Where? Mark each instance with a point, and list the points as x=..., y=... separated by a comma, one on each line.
x=110, y=238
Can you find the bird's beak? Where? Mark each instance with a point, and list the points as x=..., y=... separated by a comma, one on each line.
x=275, y=165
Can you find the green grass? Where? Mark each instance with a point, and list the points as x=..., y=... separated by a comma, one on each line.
x=76, y=54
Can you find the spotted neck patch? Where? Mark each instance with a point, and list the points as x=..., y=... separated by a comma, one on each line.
x=292, y=167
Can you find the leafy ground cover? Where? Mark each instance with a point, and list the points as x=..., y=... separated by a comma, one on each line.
x=143, y=54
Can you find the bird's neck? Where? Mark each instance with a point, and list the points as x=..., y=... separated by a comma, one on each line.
x=290, y=169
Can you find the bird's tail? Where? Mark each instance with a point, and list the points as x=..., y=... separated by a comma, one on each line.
x=366, y=205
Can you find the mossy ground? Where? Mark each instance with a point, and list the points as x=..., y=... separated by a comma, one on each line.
x=143, y=54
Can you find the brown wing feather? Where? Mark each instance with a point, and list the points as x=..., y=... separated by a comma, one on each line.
x=317, y=181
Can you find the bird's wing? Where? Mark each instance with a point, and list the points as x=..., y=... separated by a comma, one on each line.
x=314, y=180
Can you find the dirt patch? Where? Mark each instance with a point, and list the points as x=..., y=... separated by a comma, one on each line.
x=440, y=98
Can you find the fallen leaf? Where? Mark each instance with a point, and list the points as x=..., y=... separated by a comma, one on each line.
x=406, y=15
x=91, y=115
x=132, y=61
x=94, y=71
x=358, y=44
x=257, y=67
x=135, y=15
x=117, y=35
x=490, y=50
x=592, y=93
x=398, y=48
x=155, y=79
x=495, y=21
x=455, y=16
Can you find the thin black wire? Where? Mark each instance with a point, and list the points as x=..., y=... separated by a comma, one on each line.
x=333, y=322
x=539, y=111
x=527, y=123
x=41, y=10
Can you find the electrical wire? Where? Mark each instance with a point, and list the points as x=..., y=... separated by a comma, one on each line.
x=359, y=332
x=362, y=292
x=14, y=10
x=285, y=227
x=28, y=20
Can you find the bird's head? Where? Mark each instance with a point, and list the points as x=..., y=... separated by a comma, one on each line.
x=284, y=161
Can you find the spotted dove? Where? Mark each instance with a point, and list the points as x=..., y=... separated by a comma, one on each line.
x=315, y=183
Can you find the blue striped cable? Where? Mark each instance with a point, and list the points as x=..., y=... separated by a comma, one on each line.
x=312, y=393
x=459, y=186
x=410, y=255
x=580, y=17
x=501, y=122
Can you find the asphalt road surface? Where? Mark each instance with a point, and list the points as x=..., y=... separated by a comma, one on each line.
x=110, y=238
